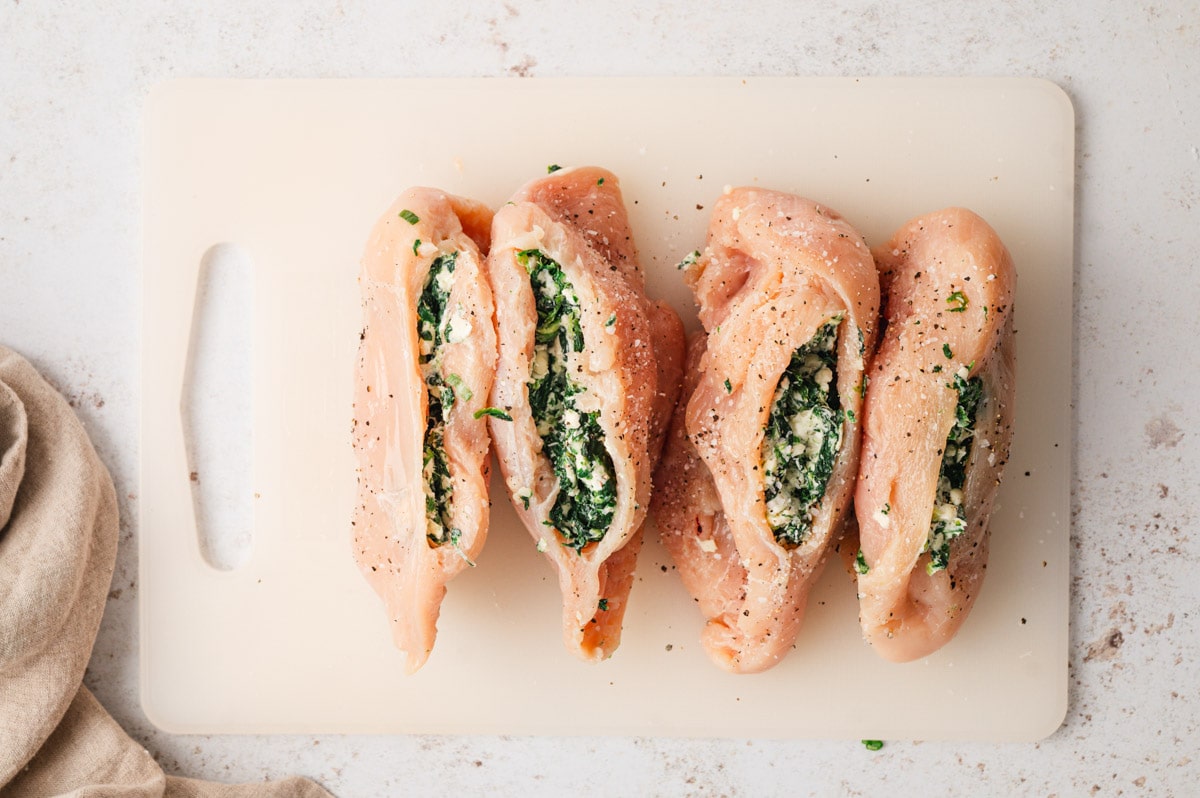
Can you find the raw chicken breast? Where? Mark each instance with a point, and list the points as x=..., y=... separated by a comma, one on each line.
x=425, y=367
x=588, y=373
x=938, y=422
x=693, y=528
x=763, y=452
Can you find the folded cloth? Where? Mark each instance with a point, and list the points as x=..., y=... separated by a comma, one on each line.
x=58, y=544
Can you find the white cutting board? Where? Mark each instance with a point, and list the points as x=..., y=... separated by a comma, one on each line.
x=296, y=172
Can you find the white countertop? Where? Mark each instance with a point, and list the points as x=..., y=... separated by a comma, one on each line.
x=72, y=85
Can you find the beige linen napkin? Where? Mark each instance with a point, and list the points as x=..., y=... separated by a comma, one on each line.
x=58, y=543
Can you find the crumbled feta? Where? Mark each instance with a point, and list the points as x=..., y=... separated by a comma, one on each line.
x=458, y=328
x=541, y=363
x=945, y=512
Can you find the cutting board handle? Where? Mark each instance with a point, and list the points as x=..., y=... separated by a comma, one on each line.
x=217, y=406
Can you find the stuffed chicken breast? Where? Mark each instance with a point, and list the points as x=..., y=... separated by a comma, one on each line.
x=938, y=424
x=426, y=362
x=762, y=457
x=587, y=375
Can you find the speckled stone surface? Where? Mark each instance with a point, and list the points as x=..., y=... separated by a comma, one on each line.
x=73, y=78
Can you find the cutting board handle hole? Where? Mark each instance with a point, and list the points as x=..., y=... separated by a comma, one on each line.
x=217, y=407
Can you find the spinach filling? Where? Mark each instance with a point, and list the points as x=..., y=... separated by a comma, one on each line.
x=803, y=436
x=436, y=327
x=949, y=519
x=572, y=439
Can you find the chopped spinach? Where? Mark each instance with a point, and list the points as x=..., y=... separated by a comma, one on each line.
x=432, y=319
x=949, y=517
x=436, y=475
x=431, y=328
x=572, y=439
x=803, y=436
